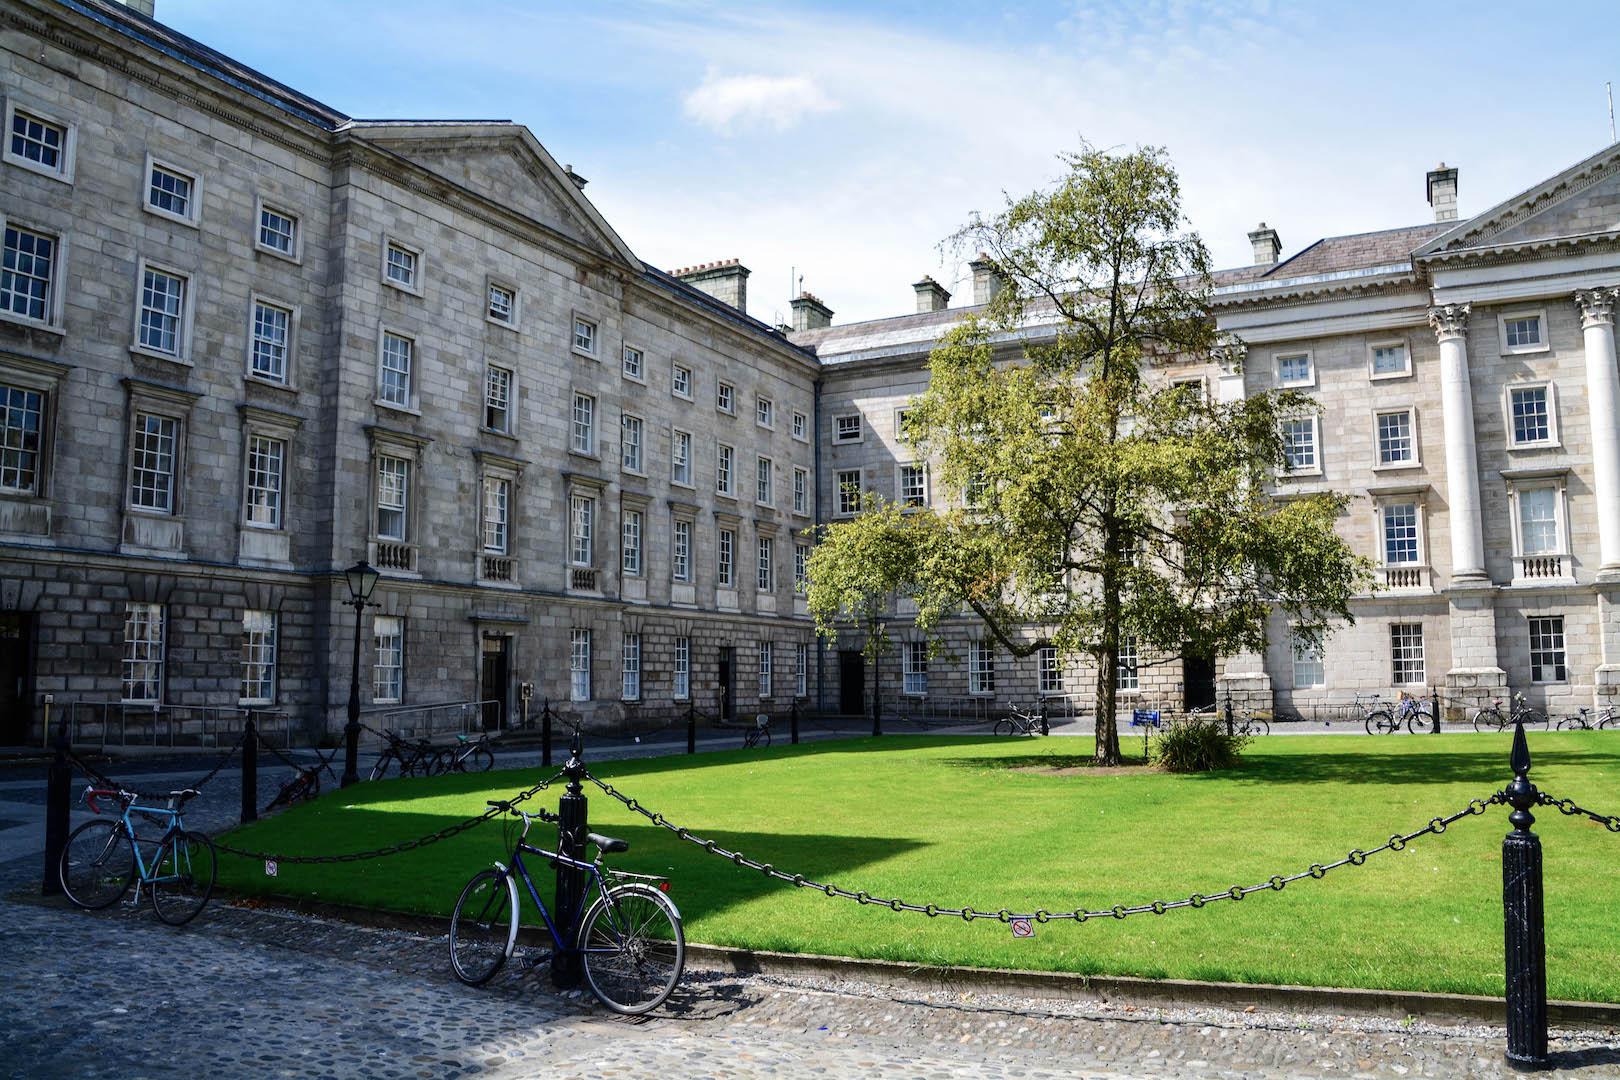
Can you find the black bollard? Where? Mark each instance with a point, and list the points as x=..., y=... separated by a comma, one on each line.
x=1228, y=710
x=1524, y=931
x=877, y=711
x=250, y=770
x=1435, y=705
x=566, y=970
x=1046, y=728
x=793, y=720
x=691, y=727
x=545, y=736
x=58, y=796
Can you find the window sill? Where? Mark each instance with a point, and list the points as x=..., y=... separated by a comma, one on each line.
x=296, y=260
x=1397, y=466
x=682, y=484
x=1298, y=384
x=726, y=495
x=577, y=351
x=1301, y=474
x=678, y=396
x=637, y=379
x=391, y=407
x=498, y=433
x=1550, y=444
x=504, y=324
x=408, y=290
x=32, y=324
x=1523, y=350
x=166, y=215
x=153, y=354
x=269, y=384
x=1383, y=375
x=35, y=167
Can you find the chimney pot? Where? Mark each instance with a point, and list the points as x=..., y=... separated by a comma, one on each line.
x=809, y=313
x=579, y=181
x=726, y=281
x=931, y=295
x=1442, y=192
x=1267, y=246
x=987, y=280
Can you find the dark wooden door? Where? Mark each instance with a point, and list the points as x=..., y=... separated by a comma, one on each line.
x=851, y=683
x=726, y=677
x=1198, y=681
x=15, y=677
x=493, y=679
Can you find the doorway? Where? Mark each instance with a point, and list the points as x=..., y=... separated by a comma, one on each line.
x=1198, y=681
x=851, y=683
x=494, y=673
x=16, y=677
x=726, y=676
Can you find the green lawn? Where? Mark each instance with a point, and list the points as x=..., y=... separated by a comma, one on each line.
x=952, y=821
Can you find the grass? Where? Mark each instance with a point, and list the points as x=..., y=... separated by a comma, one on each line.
x=958, y=822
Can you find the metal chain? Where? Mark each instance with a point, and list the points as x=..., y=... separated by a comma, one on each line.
x=1568, y=808
x=100, y=777
x=408, y=845
x=1158, y=907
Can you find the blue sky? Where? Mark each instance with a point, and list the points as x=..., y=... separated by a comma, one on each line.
x=844, y=141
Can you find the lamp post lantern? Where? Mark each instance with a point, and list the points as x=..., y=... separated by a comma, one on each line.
x=361, y=579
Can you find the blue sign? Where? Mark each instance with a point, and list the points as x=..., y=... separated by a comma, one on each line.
x=1145, y=716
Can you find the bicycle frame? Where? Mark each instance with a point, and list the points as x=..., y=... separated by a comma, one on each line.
x=144, y=876
x=545, y=913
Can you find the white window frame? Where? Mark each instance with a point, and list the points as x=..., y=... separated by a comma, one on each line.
x=415, y=286
x=801, y=491
x=801, y=670
x=981, y=668
x=1553, y=439
x=679, y=373
x=52, y=322
x=402, y=508
x=509, y=408
x=1293, y=354
x=67, y=152
x=495, y=518
x=1310, y=663
x=767, y=665
x=411, y=373
x=725, y=559
x=388, y=660
x=1517, y=490
x=801, y=426
x=192, y=218
x=176, y=459
x=1413, y=462
x=801, y=568
x=900, y=485
x=579, y=664
x=1128, y=668
x=14, y=454
x=188, y=303
x=914, y=669
x=859, y=427
x=632, y=444
x=1557, y=656
x=725, y=470
x=256, y=300
x=491, y=284
x=588, y=344
x=630, y=668
x=582, y=436
x=1050, y=668
x=1420, y=658
x=296, y=254
x=765, y=579
x=582, y=529
x=632, y=525
x=259, y=644
x=680, y=466
x=1314, y=469
x=1372, y=352
x=841, y=495
x=1420, y=523
x=640, y=374
x=279, y=522
x=725, y=397
x=764, y=481
x=764, y=412
x=680, y=550
x=1505, y=317
x=681, y=687
x=145, y=657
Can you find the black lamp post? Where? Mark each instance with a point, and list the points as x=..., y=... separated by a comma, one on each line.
x=362, y=579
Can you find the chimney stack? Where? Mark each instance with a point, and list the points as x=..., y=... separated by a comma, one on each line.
x=579, y=181
x=931, y=295
x=1443, y=192
x=142, y=6
x=1267, y=247
x=726, y=281
x=810, y=313
x=986, y=279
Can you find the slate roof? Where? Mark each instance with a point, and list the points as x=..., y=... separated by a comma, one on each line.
x=1356, y=251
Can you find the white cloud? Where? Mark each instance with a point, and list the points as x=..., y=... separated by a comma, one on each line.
x=734, y=104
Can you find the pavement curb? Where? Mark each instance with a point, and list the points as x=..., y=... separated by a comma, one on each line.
x=1453, y=1009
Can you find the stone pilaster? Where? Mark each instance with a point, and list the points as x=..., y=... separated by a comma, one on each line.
x=1244, y=677
x=1450, y=322
x=1603, y=399
x=1475, y=676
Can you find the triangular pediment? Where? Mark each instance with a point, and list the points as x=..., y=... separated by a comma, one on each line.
x=1583, y=201
x=506, y=164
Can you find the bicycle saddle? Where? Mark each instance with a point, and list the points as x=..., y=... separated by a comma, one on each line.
x=184, y=794
x=607, y=844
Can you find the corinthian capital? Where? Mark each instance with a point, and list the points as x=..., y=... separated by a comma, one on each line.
x=1597, y=306
x=1449, y=320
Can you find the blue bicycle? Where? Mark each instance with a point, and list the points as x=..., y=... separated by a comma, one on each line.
x=629, y=940
x=102, y=857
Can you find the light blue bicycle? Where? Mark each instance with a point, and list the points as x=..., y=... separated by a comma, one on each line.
x=102, y=857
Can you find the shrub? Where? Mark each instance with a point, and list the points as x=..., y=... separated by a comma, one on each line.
x=1197, y=744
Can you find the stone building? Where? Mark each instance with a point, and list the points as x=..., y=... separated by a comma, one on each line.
x=1467, y=374
x=246, y=341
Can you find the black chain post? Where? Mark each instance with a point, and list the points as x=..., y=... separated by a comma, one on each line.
x=545, y=736
x=58, y=796
x=793, y=719
x=250, y=770
x=1046, y=728
x=1229, y=710
x=566, y=970
x=1524, y=930
x=691, y=727
x=1435, y=730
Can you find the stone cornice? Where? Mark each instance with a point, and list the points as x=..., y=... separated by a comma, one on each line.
x=1288, y=296
x=1535, y=202
x=1523, y=251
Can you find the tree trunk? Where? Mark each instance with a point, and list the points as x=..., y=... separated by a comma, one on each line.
x=1107, y=752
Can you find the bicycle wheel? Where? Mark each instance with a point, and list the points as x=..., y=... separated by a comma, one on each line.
x=1488, y=720
x=183, y=877
x=1257, y=726
x=483, y=927
x=634, y=948
x=96, y=865
x=1004, y=727
x=380, y=769
x=764, y=737
x=482, y=759
x=1420, y=722
x=1379, y=723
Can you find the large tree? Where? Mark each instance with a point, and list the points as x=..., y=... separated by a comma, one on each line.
x=1091, y=501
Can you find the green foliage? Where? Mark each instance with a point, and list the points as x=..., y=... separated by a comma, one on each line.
x=1196, y=744
x=1093, y=504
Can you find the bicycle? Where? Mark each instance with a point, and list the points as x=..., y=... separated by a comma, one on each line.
x=469, y=756
x=305, y=784
x=759, y=734
x=412, y=759
x=1019, y=722
x=1583, y=721
x=1250, y=725
x=1410, y=711
x=102, y=857
x=629, y=940
x=1490, y=717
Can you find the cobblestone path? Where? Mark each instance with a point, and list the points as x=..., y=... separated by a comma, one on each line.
x=248, y=992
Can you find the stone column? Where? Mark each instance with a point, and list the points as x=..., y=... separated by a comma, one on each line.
x=1450, y=322
x=1603, y=401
